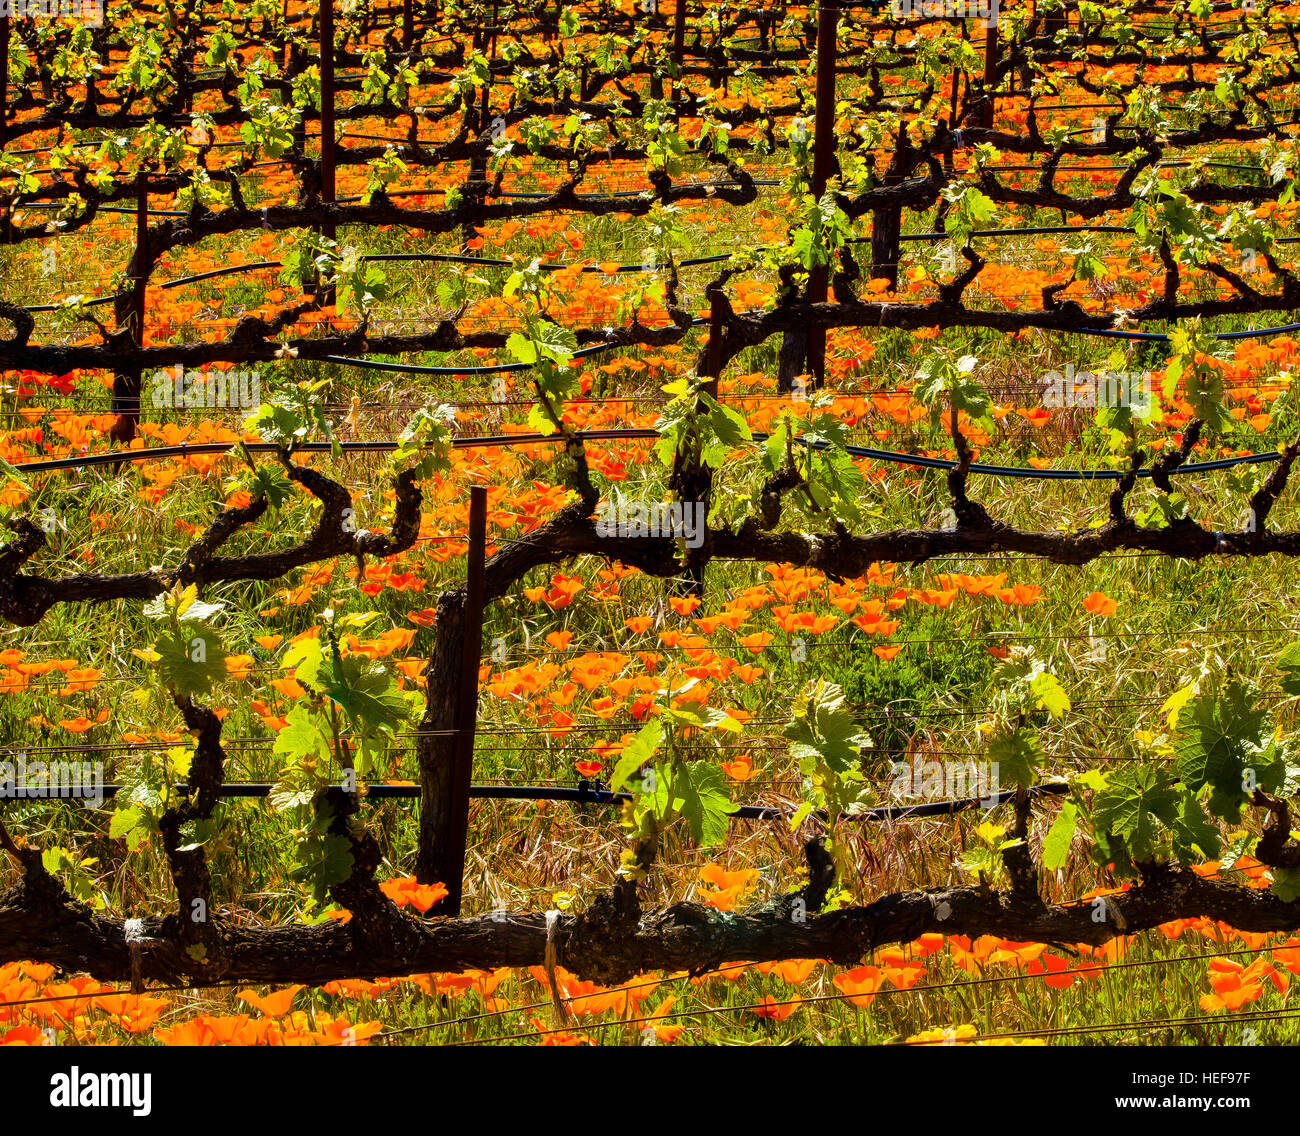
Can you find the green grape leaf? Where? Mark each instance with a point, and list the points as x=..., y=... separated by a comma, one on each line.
x=270, y=482
x=1049, y=693
x=322, y=861
x=302, y=737
x=544, y=340
x=293, y=791
x=1286, y=884
x=1017, y=756
x=1091, y=779
x=1131, y=804
x=368, y=695
x=1195, y=837
x=836, y=483
x=124, y=820
x=822, y=729
x=800, y=815
x=1056, y=844
x=275, y=423
x=1220, y=745
x=304, y=658
x=190, y=661
x=704, y=802
x=427, y=438
x=636, y=753
x=728, y=425
x=1289, y=663
x=1241, y=843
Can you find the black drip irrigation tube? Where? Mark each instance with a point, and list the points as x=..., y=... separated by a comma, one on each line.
x=592, y=792
x=385, y=446
x=485, y=262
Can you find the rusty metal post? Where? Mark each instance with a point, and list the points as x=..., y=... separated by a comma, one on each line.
x=828, y=15
x=451, y=850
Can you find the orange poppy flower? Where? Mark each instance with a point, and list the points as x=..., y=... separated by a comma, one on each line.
x=559, y=1037
x=794, y=972
x=289, y=687
x=135, y=1013
x=1098, y=603
x=80, y=678
x=273, y=1005
x=666, y=1034
x=23, y=1035
x=741, y=769
x=192, y=1033
x=714, y=874
x=420, y=896
x=777, y=1011
x=860, y=985
x=1055, y=971
x=239, y=666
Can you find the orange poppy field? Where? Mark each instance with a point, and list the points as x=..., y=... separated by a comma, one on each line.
x=621, y=524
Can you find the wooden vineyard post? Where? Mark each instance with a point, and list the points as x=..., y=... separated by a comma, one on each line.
x=695, y=483
x=477, y=180
x=487, y=87
x=828, y=15
x=142, y=258
x=713, y=356
x=408, y=24
x=1057, y=21
x=130, y=310
x=679, y=42
x=953, y=121
x=990, y=61
x=451, y=852
x=478, y=163
x=886, y=225
x=4, y=79
x=327, y=105
x=327, y=190
x=679, y=32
